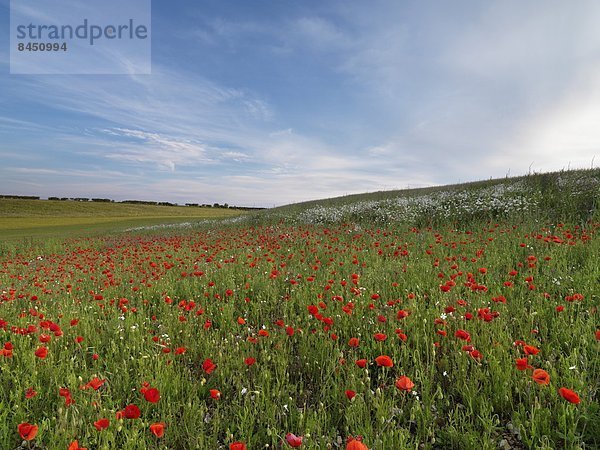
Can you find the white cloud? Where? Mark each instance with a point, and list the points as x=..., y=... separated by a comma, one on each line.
x=258, y=109
x=526, y=41
x=287, y=131
x=320, y=33
x=165, y=151
x=235, y=156
x=565, y=134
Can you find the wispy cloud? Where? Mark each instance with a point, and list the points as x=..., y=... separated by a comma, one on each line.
x=12, y=125
x=67, y=173
x=154, y=147
x=320, y=33
x=167, y=102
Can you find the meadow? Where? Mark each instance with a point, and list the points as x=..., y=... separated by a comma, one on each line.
x=42, y=219
x=462, y=317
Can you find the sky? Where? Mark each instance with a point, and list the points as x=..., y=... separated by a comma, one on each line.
x=264, y=103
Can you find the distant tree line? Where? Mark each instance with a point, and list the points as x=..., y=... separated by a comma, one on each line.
x=131, y=202
x=21, y=197
x=81, y=199
x=224, y=205
x=143, y=202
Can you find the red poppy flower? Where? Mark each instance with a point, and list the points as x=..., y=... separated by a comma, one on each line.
x=27, y=431
x=353, y=342
x=158, y=429
x=355, y=444
x=101, y=424
x=152, y=395
x=215, y=394
x=350, y=394
x=522, y=364
x=64, y=392
x=402, y=314
x=95, y=383
x=362, y=363
x=29, y=393
x=403, y=337
x=540, y=376
x=131, y=412
x=41, y=352
x=569, y=395
x=380, y=337
x=249, y=361
x=238, y=445
x=293, y=440
x=530, y=350
x=476, y=354
x=208, y=366
x=75, y=446
x=384, y=360
x=404, y=383
x=462, y=334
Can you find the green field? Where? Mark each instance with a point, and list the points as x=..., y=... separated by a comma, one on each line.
x=50, y=218
x=457, y=318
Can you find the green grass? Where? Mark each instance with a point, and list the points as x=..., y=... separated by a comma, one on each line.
x=55, y=208
x=35, y=219
x=298, y=382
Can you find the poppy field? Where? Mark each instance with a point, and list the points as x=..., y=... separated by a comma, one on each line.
x=289, y=334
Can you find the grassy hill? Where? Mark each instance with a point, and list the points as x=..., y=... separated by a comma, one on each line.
x=571, y=196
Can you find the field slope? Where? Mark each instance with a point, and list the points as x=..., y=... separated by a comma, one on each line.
x=49, y=218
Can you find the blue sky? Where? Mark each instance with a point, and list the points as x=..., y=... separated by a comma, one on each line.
x=263, y=103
